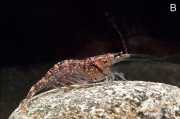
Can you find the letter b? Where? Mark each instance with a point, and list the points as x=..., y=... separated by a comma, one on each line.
x=172, y=7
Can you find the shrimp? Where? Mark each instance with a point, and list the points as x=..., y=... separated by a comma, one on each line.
x=69, y=72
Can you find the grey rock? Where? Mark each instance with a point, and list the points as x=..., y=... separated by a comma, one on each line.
x=119, y=100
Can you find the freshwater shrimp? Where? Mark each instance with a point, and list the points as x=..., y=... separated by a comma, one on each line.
x=89, y=70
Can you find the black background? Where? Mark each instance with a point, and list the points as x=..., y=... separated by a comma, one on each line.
x=35, y=35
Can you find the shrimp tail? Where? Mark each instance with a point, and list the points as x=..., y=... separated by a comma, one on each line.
x=37, y=87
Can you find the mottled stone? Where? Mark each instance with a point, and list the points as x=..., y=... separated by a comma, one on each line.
x=128, y=100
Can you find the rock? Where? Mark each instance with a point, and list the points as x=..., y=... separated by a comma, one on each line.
x=127, y=100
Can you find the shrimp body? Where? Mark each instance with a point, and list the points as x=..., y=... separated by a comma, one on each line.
x=70, y=72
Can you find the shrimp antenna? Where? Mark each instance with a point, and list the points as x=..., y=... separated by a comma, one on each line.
x=122, y=39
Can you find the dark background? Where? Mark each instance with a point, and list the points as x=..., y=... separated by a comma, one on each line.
x=36, y=35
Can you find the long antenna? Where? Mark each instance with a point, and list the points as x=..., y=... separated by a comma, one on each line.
x=136, y=55
x=122, y=39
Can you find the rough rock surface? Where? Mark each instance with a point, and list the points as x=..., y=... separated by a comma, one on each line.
x=120, y=100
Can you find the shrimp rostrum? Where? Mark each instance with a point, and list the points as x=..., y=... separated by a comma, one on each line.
x=87, y=71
